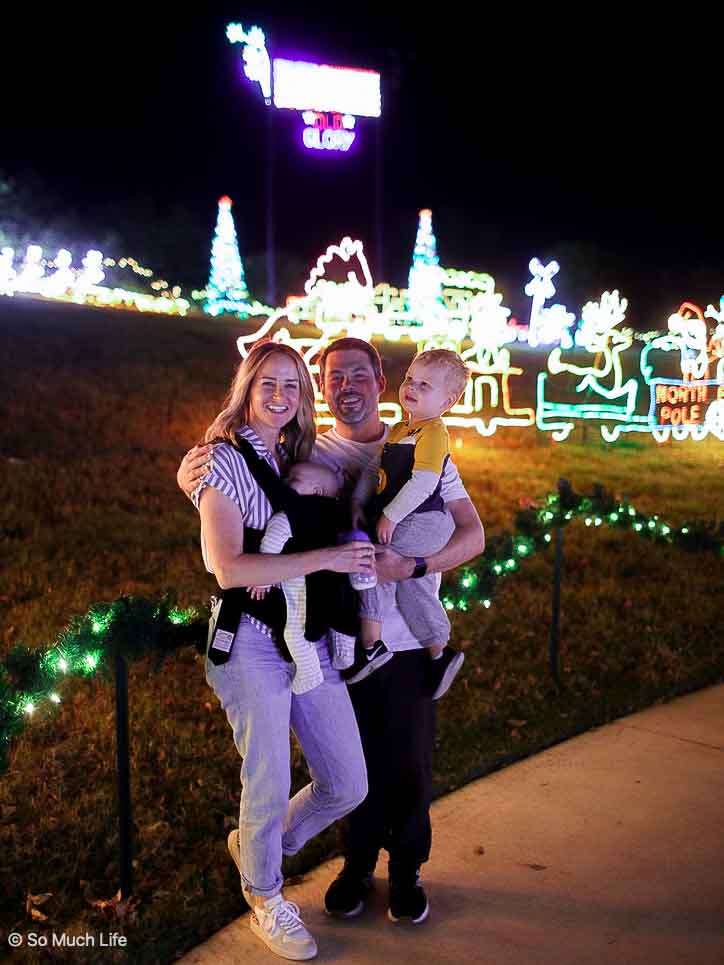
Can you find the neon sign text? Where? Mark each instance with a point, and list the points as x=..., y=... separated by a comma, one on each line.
x=302, y=86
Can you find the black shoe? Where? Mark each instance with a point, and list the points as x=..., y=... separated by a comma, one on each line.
x=346, y=895
x=441, y=672
x=408, y=899
x=366, y=662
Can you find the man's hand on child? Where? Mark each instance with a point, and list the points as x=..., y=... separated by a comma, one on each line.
x=385, y=529
x=391, y=567
x=258, y=592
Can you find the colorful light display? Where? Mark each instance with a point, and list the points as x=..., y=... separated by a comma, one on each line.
x=354, y=306
x=670, y=386
x=547, y=324
x=326, y=132
x=82, y=285
x=301, y=86
x=226, y=290
x=63, y=278
x=424, y=286
x=690, y=407
x=7, y=272
x=257, y=64
x=604, y=389
x=687, y=404
x=328, y=97
x=31, y=271
x=607, y=398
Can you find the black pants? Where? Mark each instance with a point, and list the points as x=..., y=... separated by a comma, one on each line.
x=396, y=718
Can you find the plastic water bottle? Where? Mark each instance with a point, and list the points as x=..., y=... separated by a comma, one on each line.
x=368, y=579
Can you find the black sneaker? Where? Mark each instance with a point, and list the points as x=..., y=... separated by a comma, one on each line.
x=366, y=662
x=408, y=899
x=346, y=895
x=441, y=672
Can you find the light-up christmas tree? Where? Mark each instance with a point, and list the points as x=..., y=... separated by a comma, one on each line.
x=226, y=290
x=426, y=276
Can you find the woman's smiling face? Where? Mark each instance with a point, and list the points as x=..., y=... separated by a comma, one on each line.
x=274, y=396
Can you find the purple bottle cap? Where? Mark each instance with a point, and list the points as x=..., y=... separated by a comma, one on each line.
x=354, y=536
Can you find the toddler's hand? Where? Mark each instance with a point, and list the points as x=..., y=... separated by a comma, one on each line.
x=385, y=529
x=258, y=592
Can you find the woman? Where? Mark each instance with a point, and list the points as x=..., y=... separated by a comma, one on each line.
x=271, y=405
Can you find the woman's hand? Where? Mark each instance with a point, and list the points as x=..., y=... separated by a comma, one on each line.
x=194, y=466
x=258, y=592
x=356, y=557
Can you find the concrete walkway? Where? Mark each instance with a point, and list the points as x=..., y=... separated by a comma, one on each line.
x=608, y=848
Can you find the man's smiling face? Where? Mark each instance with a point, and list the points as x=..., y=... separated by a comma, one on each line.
x=350, y=387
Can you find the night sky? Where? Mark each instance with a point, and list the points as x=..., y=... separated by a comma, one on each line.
x=590, y=137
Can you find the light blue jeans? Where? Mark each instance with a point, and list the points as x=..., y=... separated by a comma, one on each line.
x=255, y=689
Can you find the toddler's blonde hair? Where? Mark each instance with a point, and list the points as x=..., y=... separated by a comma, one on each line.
x=455, y=371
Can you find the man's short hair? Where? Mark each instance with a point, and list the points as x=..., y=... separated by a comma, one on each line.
x=352, y=343
x=455, y=371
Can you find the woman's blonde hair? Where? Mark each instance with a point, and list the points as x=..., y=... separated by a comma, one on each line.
x=297, y=437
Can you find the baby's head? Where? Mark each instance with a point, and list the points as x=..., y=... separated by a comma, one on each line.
x=312, y=479
x=434, y=382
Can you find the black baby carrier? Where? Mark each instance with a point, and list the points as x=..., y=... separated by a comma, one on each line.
x=315, y=522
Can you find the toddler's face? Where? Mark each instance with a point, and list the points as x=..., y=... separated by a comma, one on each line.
x=308, y=479
x=424, y=392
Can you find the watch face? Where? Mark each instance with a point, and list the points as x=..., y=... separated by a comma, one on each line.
x=420, y=567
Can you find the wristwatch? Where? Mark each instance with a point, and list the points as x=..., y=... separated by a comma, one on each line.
x=420, y=567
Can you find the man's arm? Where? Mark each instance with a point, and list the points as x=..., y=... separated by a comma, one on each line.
x=467, y=541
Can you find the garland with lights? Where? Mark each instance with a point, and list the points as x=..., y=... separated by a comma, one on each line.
x=131, y=626
x=135, y=627
x=504, y=553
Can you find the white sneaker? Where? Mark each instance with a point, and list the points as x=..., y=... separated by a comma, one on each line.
x=277, y=921
x=279, y=926
x=232, y=843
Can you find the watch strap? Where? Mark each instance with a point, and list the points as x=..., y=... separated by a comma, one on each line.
x=420, y=567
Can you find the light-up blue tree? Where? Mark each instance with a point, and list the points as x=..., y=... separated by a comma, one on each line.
x=226, y=290
x=426, y=276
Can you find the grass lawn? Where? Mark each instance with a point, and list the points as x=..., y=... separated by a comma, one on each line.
x=97, y=409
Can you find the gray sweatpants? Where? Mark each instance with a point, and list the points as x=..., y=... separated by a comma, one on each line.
x=418, y=534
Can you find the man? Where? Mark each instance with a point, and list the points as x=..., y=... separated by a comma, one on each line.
x=393, y=705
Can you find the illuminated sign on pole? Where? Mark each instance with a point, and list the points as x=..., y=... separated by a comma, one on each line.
x=329, y=98
x=321, y=87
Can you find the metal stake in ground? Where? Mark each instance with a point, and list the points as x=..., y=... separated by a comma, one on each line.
x=556, y=607
x=125, y=827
